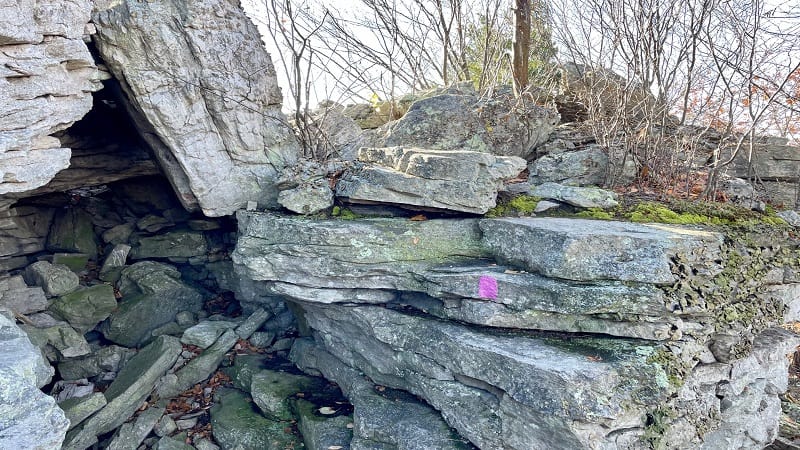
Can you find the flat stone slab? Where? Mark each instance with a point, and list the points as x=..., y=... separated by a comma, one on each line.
x=464, y=181
x=589, y=250
x=374, y=253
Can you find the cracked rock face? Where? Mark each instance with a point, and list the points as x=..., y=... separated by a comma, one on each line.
x=203, y=92
x=47, y=77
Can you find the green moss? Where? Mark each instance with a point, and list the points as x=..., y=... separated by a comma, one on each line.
x=701, y=213
x=596, y=213
x=343, y=213
x=521, y=205
x=654, y=212
x=657, y=423
x=672, y=365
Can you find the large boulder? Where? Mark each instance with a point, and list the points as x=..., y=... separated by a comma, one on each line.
x=153, y=294
x=214, y=123
x=454, y=180
x=47, y=77
x=458, y=119
x=28, y=417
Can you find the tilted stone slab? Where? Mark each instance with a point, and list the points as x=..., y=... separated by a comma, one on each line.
x=501, y=389
x=588, y=250
x=131, y=387
x=374, y=253
x=455, y=180
x=216, y=130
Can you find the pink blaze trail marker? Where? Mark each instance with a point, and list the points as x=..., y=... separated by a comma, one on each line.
x=487, y=287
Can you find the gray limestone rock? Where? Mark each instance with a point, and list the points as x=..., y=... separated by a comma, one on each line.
x=382, y=418
x=28, y=417
x=206, y=332
x=236, y=425
x=131, y=387
x=67, y=342
x=108, y=359
x=75, y=261
x=791, y=217
x=153, y=294
x=271, y=391
x=47, y=76
x=586, y=250
x=114, y=262
x=55, y=279
x=308, y=198
x=131, y=434
x=378, y=253
x=253, y=323
x=168, y=443
x=216, y=129
x=319, y=431
x=73, y=231
x=484, y=382
x=199, y=368
x=582, y=197
x=174, y=244
x=456, y=180
x=118, y=234
x=584, y=167
x=79, y=408
x=16, y=296
x=85, y=308
x=459, y=120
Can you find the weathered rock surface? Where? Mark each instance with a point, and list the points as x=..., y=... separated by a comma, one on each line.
x=132, y=385
x=77, y=409
x=131, y=434
x=85, y=308
x=497, y=390
x=271, y=391
x=58, y=341
x=459, y=120
x=582, y=197
x=216, y=127
x=349, y=255
x=576, y=168
x=237, y=425
x=28, y=417
x=109, y=359
x=199, y=368
x=309, y=198
x=585, y=250
x=72, y=231
x=23, y=231
x=54, y=279
x=175, y=244
x=455, y=180
x=153, y=294
x=16, y=296
x=775, y=163
x=46, y=82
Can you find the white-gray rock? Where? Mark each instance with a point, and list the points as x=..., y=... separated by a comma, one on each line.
x=582, y=197
x=55, y=279
x=308, y=198
x=464, y=181
x=47, y=76
x=29, y=419
x=791, y=217
x=214, y=123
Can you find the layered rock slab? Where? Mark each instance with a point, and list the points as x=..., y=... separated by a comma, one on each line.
x=499, y=389
x=47, y=77
x=455, y=180
x=28, y=417
x=215, y=125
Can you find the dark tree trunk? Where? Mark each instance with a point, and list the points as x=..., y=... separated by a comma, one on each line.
x=522, y=42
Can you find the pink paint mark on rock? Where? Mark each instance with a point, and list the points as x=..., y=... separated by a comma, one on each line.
x=487, y=287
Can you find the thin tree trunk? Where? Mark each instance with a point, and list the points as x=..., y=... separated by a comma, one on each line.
x=522, y=43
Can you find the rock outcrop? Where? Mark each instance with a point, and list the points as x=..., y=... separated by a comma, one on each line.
x=454, y=180
x=47, y=77
x=458, y=119
x=28, y=417
x=428, y=307
x=202, y=90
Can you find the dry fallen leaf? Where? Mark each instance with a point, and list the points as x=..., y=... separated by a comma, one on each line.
x=335, y=447
x=419, y=218
x=327, y=410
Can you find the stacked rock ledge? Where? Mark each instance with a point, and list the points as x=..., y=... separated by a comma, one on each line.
x=453, y=311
